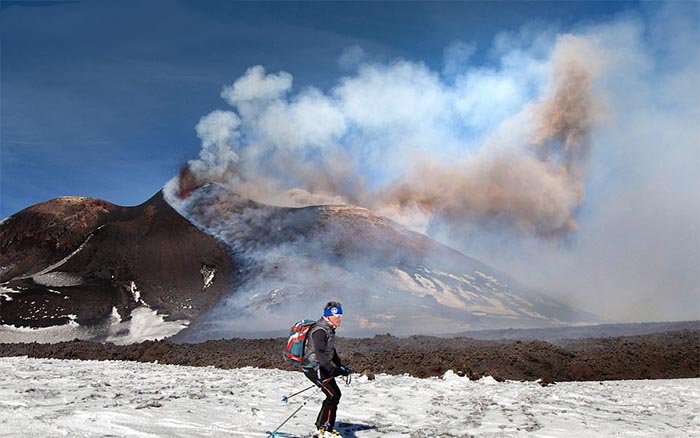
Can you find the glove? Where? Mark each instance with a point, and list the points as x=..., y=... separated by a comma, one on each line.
x=344, y=370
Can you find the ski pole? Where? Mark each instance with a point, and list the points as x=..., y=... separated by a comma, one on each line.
x=287, y=397
x=272, y=434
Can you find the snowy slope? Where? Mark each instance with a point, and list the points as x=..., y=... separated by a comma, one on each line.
x=40, y=397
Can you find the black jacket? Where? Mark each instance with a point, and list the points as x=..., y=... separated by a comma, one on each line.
x=320, y=347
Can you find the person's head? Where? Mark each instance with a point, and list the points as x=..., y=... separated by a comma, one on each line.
x=333, y=312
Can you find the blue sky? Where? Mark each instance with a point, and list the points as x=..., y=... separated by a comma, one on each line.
x=101, y=98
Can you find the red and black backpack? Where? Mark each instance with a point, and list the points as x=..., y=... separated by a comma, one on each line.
x=294, y=350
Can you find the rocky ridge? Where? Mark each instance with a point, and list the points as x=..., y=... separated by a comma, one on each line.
x=655, y=356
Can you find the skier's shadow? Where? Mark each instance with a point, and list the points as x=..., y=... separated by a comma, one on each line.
x=348, y=429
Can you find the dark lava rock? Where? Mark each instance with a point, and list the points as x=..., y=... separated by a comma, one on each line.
x=658, y=356
x=545, y=381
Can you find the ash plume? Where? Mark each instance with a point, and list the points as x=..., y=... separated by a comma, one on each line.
x=565, y=118
x=392, y=124
x=535, y=187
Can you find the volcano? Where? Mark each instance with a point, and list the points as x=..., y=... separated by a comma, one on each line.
x=79, y=267
x=217, y=265
x=391, y=279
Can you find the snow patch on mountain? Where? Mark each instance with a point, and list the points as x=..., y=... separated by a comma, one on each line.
x=5, y=293
x=57, y=279
x=115, y=317
x=143, y=324
x=208, y=273
x=135, y=293
x=44, y=335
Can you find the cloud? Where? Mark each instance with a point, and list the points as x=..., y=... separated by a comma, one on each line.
x=352, y=57
x=455, y=58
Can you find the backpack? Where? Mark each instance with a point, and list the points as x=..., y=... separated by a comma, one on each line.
x=294, y=351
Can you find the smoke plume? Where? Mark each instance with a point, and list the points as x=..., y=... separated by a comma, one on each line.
x=400, y=139
x=569, y=161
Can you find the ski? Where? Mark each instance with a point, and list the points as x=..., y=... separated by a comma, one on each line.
x=288, y=435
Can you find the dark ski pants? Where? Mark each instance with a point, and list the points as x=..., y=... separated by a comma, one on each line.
x=326, y=416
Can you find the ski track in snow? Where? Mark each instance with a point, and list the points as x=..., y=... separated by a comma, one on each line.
x=54, y=398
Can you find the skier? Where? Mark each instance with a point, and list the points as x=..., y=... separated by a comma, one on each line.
x=322, y=364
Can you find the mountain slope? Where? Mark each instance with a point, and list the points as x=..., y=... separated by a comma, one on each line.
x=217, y=265
x=390, y=278
x=107, y=272
x=44, y=233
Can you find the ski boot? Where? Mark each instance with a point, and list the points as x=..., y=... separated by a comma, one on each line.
x=327, y=433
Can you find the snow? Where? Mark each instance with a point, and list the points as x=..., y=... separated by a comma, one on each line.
x=50, y=397
x=57, y=279
x=57, y=333
x=208, y=273
x=135, y=292
x=115, y=317
x=6, y=291
x=143, y=324
x=488, y=278
x=460, y=292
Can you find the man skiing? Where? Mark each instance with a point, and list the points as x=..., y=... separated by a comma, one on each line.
x=322, y=364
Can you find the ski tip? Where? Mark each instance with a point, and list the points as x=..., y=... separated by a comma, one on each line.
x=286, y=435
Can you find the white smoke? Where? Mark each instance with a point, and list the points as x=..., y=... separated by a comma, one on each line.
x=400, y=138
x=218, y=131
x=257, y=86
